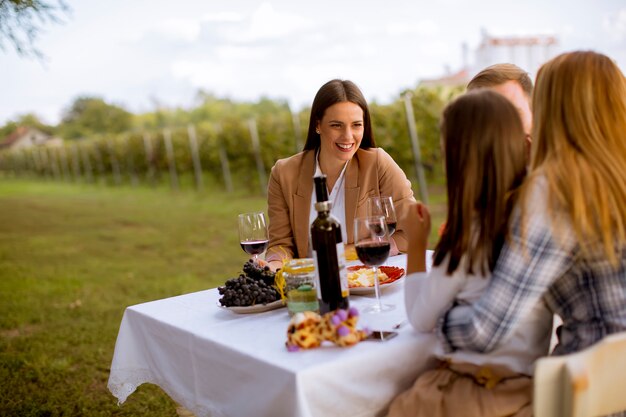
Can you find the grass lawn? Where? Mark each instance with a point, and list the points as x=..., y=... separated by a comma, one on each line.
x=73, y=257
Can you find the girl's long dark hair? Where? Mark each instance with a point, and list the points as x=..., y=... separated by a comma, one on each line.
x=485, y=159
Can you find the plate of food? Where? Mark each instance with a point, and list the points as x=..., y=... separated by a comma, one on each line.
x=361, y=278
x=255, y=308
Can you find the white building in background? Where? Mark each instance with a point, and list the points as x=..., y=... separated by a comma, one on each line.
x=527, y=52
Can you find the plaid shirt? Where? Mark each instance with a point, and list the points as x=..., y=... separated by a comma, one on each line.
x=588, y=294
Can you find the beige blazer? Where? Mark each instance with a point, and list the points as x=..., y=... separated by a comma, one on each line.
x=370, y=172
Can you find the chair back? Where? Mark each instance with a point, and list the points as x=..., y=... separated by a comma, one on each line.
x=588, y=383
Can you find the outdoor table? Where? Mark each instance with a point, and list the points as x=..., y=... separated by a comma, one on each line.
x=218, y=363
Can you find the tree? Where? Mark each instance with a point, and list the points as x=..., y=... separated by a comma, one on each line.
x=28, y=119
x=90, y=116
x=21, y=22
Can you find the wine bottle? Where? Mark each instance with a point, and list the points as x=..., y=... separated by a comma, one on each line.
x=331, y=277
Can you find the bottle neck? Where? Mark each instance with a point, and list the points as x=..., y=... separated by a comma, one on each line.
x=323, y=206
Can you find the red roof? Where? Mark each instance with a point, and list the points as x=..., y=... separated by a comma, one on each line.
x=520, y=41
x=17, y=133
x=460, y=77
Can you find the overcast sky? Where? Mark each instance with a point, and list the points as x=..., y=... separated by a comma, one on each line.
x=140, y=54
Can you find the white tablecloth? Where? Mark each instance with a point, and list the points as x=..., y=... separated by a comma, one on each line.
x=218, y=363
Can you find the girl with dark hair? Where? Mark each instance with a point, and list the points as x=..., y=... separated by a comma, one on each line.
x=340, y=144
x=485, y=160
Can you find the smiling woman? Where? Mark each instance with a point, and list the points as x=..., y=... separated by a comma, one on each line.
x=340, y=145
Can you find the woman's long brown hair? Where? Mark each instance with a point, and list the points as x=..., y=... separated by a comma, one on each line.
x=484, y=148
x=579, y=147
x=333, y=92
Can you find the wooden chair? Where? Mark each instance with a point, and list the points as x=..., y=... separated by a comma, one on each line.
x=588, y=383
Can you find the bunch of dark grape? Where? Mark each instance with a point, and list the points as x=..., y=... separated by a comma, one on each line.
x=247, y=291
x=259, y=273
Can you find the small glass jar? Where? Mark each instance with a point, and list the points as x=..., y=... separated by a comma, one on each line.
x=299, y=277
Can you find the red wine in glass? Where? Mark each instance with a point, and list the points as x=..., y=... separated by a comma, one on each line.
x=254, y=247
x=373, y=253
x=391, y=226
x=253, y=234
x=372, y=244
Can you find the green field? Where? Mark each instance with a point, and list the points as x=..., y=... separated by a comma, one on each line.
x=72, y=257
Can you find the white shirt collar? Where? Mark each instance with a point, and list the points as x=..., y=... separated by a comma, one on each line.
x=337, y=196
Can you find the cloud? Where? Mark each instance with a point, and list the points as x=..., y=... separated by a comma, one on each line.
x=181, y=29
x=266, y=24
x=243, y=54
x=175, y=29
x=241, y=60
x=262, y=24
x=615, y=25
x=222, y=17
x=422, y=27
x=198, y=72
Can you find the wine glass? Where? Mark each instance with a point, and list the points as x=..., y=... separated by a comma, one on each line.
x=371, y=241
x=253, y=235
x=383, y=206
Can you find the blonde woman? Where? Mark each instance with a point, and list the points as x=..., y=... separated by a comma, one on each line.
x=567, y=245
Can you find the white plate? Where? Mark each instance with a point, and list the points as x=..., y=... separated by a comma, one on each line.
x=257, y=308
x=372, y=289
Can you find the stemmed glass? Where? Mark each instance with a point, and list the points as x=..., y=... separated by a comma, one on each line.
x=383, y=206
x=371, y=241
x=253, y=234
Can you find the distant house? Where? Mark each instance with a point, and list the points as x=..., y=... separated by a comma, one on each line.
x=459, y=78
x=527, y=52
x=26, y=137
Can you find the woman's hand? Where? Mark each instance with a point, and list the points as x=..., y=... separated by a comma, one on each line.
x=418, y=226
x=274, y=265
x=349, y=252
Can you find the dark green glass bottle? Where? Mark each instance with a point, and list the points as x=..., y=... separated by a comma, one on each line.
x=332, y=281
